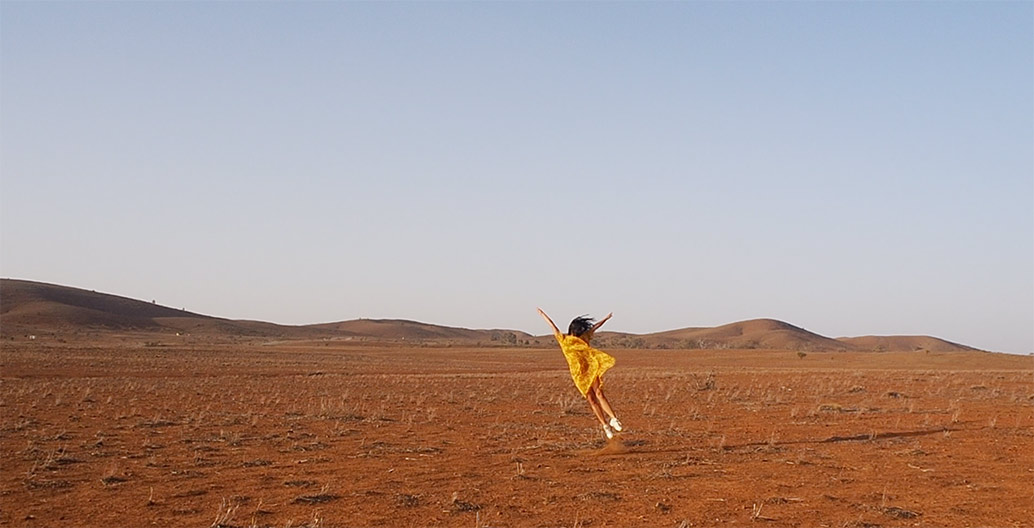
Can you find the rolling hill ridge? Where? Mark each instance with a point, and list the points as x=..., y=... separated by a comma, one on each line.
x=28, y=307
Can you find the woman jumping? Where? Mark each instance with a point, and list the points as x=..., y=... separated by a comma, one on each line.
x=587, y=366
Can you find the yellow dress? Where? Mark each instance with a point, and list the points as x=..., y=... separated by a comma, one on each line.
x=586, y=363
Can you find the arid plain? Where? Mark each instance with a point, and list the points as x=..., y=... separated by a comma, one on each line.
x=336, y=435
x=154, y=429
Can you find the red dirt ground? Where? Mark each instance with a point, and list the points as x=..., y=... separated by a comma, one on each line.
x=310, y=434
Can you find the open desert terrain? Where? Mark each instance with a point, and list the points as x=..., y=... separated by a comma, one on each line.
x=121, y=412
x=148, y=431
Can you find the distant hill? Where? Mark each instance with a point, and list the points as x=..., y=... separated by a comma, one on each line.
x=36, y=307
x=752, y=334
x=756, y=333
x=404, y=329
x=884, y=343
x=28, y=307
x=28, y=302
x=37, y=304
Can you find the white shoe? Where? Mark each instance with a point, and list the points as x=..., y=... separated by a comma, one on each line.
x=609, y=432
x=615, y=424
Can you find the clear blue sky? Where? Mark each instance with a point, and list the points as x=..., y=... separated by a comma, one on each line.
x=852, y=168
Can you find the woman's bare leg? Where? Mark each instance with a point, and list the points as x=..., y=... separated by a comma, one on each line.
x=596, y=390
x=595, y=405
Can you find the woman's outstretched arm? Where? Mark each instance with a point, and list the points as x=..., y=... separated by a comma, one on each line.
x=601, y=321
x=556, y=331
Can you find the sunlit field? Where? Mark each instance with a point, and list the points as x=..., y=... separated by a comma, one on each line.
x=251, y=435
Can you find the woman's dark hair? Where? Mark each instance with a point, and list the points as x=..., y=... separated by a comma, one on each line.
x=580, y=325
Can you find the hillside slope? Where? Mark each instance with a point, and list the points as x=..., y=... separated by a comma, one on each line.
x=755, y=333
x=28, y=307
x=36, y=307
x=405, y=329
x=37, y=304
x=887, y=343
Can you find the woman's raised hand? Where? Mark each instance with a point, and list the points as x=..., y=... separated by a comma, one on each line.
x=601, y=321
x=548, y=320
